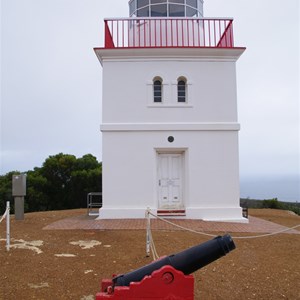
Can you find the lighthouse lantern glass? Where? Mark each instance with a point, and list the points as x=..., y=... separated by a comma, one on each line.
x=159, y=10
x=165, y=8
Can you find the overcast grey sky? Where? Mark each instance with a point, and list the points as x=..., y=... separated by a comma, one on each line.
x=51, y=80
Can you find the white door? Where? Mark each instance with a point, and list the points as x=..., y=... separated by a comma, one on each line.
x=170, y=181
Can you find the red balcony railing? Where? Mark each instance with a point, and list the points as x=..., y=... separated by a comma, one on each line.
x=168, y=32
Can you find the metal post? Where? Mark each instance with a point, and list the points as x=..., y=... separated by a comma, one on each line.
x=19, y=208
x=7, y=225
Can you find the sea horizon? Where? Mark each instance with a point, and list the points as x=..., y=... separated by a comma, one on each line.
x=284, y=188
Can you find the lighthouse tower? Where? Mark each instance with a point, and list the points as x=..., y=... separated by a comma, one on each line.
x=169, y=113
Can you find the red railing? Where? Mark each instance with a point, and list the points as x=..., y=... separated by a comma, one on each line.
x=168, y=32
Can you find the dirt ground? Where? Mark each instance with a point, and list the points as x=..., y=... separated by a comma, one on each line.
x=70, y=264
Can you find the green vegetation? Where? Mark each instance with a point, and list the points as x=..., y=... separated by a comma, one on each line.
x=62, y=182
x=271, y=203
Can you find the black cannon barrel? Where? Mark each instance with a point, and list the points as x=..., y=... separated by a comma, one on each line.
x=187, y=261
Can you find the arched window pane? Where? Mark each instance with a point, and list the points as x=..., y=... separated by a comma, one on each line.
x=157, y=91
x=181, y=91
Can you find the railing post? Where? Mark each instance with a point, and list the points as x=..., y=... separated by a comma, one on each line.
x=168, y=32
x=231, y=34
x=226, y=40
x=109, y=43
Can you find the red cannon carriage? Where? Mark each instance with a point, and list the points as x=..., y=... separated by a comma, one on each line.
x=168, y=277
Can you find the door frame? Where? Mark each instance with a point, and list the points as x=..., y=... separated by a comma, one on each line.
x=183, y=153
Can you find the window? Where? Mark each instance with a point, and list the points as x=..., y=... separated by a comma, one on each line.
x=176, y=10
x=159, y=10
x=143, y=8
x=165, y=8
x=164, y=90
x=157, y=89
x=142, y=3
x=132, y=7
x=181, y=89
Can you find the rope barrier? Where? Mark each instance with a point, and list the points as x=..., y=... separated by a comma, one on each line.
x=150, y=246
x=149, y=213
x=4, y=215
x=266, y=234
x=7, y=216
x=153, y=249
x=181, y=227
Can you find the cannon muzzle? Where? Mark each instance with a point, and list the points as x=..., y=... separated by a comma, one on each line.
x=187, y=261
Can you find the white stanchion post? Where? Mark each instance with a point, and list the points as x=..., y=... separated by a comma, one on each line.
x=148, y=233
x=8, y=226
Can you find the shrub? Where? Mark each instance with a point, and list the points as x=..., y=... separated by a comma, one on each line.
x=272, y=203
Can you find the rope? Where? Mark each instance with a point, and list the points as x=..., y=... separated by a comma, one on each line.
x=181, y=227
x=7, y=216
x=267, y=234
x=153, y=248
x=213, y=235
x=149, y=233
x=4, y=215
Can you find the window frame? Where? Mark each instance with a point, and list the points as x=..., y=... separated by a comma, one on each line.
x=181, y=90
x=157, y=88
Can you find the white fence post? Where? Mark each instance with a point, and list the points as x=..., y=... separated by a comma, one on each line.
x=8, y=225
x=148, y=233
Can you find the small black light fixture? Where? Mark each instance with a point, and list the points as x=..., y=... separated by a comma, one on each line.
x=171, y=139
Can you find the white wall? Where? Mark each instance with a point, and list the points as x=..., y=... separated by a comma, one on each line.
x=130, y=169
x=205, y=129
x=127, y=92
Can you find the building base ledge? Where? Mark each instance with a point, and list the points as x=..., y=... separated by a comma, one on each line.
x=219, y=214
x=123, y=213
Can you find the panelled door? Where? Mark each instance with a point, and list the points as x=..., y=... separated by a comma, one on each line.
x=170, y=173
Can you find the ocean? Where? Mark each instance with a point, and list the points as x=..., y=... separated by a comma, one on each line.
x=285, y=188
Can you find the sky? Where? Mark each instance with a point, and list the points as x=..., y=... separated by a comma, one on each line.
x=51, y=82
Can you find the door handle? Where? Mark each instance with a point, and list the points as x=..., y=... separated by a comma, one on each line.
x=159, y=182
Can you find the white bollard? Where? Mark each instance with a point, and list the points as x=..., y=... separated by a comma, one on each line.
x=7, y=225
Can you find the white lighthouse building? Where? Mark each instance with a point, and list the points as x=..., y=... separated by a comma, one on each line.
x=169, y=113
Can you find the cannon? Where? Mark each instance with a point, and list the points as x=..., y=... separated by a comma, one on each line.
x=169, y=275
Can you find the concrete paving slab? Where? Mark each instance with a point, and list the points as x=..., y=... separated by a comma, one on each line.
x=255, y=225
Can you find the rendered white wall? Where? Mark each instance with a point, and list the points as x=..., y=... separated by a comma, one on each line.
x=135, y=129
x=211, y=92
x=130, y=168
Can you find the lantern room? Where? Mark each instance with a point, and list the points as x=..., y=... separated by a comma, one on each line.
x=166, y=8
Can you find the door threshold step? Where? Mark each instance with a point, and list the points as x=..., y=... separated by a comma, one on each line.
x=91, y=214
x=171, y=215
x=168, y=212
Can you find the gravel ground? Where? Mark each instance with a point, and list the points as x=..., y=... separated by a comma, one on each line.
x=70, y=264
